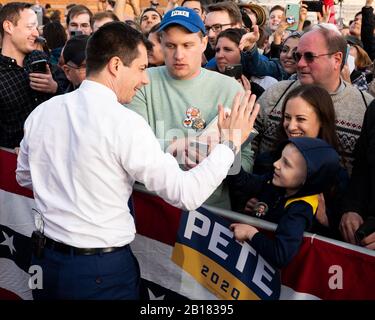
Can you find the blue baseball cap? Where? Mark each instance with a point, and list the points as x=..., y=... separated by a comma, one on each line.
x=184, y=17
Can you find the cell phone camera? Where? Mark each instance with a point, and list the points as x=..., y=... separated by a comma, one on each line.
x=39, y=66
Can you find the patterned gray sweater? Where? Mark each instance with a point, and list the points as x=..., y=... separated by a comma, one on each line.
x=349, y=104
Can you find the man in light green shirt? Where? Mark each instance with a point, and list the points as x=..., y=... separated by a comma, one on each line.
x=182, y=98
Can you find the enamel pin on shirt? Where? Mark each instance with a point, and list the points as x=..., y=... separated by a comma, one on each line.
x=193, y=119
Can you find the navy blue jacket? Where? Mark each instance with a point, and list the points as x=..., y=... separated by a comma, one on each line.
x=293, y=214
x=253, y=64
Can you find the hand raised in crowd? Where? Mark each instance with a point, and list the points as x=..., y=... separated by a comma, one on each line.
x=249, y=39
x=279, y=33
x=245, y=83
x=237, y=126
x=43, y=81
x=326, y=14
x=250, y=205
x=243, y=232
x=350, y=222
x=302, y=15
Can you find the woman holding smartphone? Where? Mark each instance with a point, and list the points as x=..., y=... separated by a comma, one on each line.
x=228, y=59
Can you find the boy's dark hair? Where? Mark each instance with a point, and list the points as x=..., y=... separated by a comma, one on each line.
x=114, y=39
x=55, y=35
x=11, y=11
x=277, y=7
x=230, y=7
x=77, y=10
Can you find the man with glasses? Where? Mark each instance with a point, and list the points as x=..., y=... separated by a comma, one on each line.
x=74, y=54
x=79, y=21
x=221, y=16
x=319, y=56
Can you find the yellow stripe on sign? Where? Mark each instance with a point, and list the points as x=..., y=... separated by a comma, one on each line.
x=211, y=275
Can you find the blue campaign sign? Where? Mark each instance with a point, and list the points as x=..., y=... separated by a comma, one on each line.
x=205, y=248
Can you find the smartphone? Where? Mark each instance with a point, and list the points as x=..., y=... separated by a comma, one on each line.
x=75, y=33
x=365, y=229
x=38, y=66
x=292, y=16
x=233, y=70
x=314, y=6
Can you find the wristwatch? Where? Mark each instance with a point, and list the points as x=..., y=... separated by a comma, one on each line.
x=230, y=145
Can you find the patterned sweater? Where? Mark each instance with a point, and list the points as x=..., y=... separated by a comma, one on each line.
x=349, y=104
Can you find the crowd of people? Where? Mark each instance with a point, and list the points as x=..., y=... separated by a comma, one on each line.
x=94, y=102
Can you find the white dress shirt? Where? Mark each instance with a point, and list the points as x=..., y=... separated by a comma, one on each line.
x=81, y=154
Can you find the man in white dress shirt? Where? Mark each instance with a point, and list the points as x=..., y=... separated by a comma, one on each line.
x=81, y=154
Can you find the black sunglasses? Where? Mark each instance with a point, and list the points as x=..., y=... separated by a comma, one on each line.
x=308, y=56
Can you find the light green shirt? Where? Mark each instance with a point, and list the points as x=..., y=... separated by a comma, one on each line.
x=164, y=101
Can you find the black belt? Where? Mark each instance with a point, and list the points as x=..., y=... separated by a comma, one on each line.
x=66, y=249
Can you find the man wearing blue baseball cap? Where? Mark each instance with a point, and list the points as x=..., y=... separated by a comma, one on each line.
x=182, y=97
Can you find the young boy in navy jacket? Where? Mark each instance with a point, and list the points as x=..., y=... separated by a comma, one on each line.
x=306, y=168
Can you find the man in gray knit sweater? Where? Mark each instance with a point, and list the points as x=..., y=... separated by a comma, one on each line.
x=319, y=56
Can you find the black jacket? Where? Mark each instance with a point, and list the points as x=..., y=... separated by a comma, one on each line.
x=360, y=196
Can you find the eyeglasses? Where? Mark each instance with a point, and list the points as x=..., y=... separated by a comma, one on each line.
x=309, y=56
x=80, y=67
x=216, y=27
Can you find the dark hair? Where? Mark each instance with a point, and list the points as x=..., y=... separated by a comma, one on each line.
x=70, y=5
x=55, y=35
x=357, y=14
x=11, y=12
x=134, y=24
x=306, y=24
x=77, y=10
x=155, y=29
x=114, y=39
x=277, y=7
x=104, y=14
x=230, y=7
x=200, y=1
x=322, y=104
x=233, y=34
x=55, y=16
x=264, y=35
x=150, y=9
